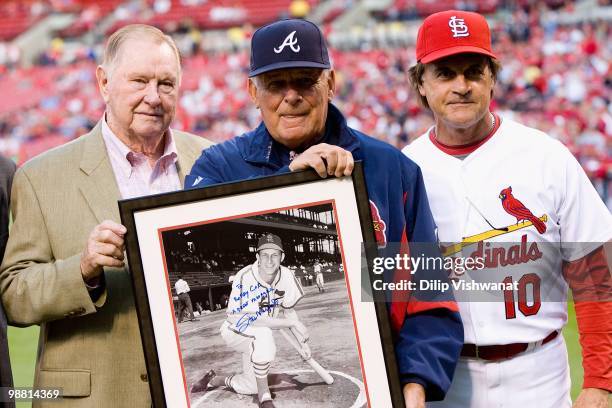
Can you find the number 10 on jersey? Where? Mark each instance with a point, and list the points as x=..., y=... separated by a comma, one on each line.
x=531, y=282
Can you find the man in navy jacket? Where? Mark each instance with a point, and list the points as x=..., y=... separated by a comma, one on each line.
x=292, y=83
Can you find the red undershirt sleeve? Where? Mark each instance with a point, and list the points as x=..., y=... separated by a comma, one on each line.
x=591, y=283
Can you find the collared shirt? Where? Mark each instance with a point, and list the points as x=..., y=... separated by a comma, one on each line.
x=181, y=287
x=135, y=176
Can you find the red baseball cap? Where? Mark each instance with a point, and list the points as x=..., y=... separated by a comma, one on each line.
x=452, y=32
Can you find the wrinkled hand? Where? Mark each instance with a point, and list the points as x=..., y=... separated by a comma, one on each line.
x=104, y=247
x=592, y=398
x=414, y=395
x=299, y=331
x=326, y=160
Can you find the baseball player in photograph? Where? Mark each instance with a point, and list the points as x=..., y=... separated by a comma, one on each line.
x=263, y=298
x=320, y=281
x=182, y=290
x=481, y=170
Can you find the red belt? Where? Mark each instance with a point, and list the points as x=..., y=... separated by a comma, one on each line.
x=501, y=352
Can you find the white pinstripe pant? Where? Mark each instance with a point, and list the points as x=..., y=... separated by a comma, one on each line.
x=258, y=349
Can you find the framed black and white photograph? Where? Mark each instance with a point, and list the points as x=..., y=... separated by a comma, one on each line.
x=256, y=285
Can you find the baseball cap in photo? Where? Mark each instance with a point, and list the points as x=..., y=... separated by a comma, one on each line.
x=269, y=241
x=453, y=32
x=292, y=43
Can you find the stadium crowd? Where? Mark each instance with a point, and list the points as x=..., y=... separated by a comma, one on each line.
x=555, y=77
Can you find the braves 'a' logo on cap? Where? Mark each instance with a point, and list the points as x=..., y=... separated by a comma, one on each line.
x=289, y=41
x=458, y=27
x=269, y=238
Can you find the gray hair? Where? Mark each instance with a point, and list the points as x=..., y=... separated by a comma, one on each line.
x=137, y=31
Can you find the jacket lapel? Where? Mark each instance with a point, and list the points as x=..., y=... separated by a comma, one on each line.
x=187, y=154
x=99, y=186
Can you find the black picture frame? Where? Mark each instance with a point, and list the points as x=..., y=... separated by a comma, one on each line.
x=149, y=214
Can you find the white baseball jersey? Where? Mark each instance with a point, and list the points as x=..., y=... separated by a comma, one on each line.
x=252, y=297
x=181, y=286
x=523, y=188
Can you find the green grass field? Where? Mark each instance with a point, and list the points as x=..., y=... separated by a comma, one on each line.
x=570, y=332
x=23, y=344
x=22, y=347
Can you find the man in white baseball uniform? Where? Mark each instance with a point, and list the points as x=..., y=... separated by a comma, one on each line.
x=263, y=298
x=320, y=281
x=182, y=290
x=482, y=170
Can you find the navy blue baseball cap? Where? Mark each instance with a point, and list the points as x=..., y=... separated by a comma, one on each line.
x=292, y=43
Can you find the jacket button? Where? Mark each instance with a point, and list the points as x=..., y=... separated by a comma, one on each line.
x=144, y=377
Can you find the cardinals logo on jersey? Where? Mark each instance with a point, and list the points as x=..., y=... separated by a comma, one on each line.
x=380, y=228
x=518, y=210
x=524, y=219
x=271, y=301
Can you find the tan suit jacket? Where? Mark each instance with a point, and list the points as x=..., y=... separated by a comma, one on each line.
x=93, y=353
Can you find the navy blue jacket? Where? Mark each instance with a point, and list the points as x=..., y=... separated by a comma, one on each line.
x=429, y=334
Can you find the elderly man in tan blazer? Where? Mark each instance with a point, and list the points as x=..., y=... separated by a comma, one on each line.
x=64, y=264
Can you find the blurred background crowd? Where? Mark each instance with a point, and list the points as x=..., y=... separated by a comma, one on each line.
x=556, y=76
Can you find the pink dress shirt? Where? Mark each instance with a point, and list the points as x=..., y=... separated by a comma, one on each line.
x=135, y=176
